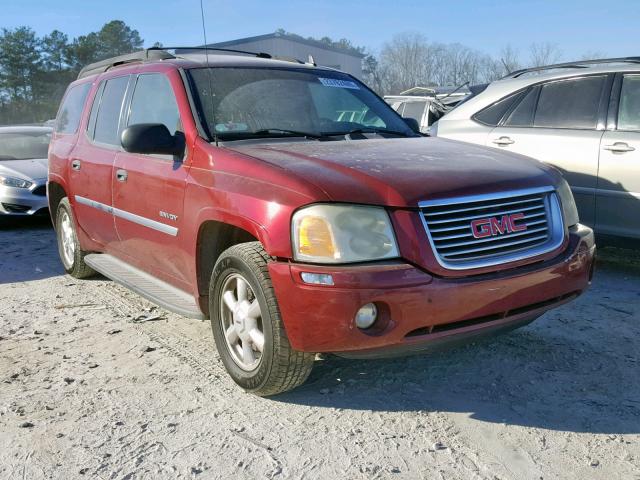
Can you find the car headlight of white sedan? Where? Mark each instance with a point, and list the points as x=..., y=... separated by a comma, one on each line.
x=326, y=233
x=14, y=182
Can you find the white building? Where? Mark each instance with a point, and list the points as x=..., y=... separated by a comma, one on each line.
x=284, y=45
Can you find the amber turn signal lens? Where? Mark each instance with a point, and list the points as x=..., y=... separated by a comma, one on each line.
x=316, y=237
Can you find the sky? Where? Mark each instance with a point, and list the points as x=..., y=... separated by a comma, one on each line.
x=576, y=26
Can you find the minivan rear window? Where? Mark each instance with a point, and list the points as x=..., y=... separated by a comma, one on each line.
x=70, y=112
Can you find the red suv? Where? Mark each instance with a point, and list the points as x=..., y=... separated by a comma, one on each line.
x=294, y=208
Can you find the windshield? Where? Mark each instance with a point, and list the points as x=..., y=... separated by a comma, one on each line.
x=24, y=145
x=264, y=102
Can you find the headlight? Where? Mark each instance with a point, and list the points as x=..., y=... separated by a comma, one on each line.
x=569, y=209
x=14, y=182
x=342, y=234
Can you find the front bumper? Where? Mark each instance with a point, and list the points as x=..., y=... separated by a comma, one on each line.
x=24, y=201
x=417, y=310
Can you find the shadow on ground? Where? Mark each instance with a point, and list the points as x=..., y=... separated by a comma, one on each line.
x=29, y=250
x=575, y=369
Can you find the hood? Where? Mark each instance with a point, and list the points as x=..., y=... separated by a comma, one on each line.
x=25, y=169
x=401, y=172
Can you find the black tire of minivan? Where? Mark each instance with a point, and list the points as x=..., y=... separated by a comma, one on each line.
x=280, y=367
x=73, y=264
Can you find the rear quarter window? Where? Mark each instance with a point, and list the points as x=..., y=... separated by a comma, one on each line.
x=70, y=112
x=492, y=115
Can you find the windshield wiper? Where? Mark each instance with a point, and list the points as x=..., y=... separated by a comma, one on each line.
x=293, y=133
x=371, y=130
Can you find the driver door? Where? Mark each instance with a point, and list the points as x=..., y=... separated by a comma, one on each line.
x=148, y=190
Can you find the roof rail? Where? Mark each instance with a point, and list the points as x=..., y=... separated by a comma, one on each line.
x=576, y=64
x=245, y=52
x=229, y=50
x=140, y=56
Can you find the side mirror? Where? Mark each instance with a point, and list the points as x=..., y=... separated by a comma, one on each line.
x=152, y=138
x=413, y=124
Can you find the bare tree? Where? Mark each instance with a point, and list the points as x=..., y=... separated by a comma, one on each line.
x=544, y=54
x=509, y=59
x=410, y=60
x=592, y=55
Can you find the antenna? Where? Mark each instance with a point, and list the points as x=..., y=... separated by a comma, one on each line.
x=206, y=54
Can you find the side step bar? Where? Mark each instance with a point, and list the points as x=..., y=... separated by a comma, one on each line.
x=159, y=292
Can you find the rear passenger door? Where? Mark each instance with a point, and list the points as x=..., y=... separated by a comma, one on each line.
x=148, y=191
x=561, y=123
x=92, y=161
x=618, y=192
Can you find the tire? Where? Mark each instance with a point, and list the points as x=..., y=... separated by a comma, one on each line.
x=277, y=367
x=71, y=255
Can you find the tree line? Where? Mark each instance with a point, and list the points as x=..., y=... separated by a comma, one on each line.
x=35, y=71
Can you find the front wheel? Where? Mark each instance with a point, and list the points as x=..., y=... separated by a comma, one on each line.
x=247, y=327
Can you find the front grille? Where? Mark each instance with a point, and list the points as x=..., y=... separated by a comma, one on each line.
x=40, y=191
x=472, y=232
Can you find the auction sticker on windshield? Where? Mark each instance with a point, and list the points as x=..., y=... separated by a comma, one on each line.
x=336, y=82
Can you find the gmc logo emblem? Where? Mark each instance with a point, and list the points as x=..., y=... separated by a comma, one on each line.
x=490, y=227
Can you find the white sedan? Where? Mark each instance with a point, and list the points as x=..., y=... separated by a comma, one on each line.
x=23, y=170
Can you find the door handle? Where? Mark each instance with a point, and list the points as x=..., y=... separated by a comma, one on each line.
x=502, y=141
x=121, y=175
x=76, y=164
x=619, y=147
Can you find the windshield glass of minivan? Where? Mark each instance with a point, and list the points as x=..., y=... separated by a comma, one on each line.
x=24, y=145
x=268, y=102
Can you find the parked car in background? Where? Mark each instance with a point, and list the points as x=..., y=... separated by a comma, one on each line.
x=246, y=190
x=23, y=170
x=581, y=117
x=426, y=105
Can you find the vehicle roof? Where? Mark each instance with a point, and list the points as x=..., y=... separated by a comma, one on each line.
x=200, y=60
x=503, y=87
x=529, y=78
x=25, y=129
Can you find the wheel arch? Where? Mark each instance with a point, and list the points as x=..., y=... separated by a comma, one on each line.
x=55, y=193
x=214, y=237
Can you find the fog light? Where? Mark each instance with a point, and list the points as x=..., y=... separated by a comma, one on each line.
x=366, y=316
x=317, y=278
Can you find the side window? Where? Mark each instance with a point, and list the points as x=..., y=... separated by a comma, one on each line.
x=154, y=102
x=570, y=103
x=108, y=117
x=414, y=110
x=91, y=124
x=492, y=114
x=522, y=114
x=629, y=111
x=68, y=117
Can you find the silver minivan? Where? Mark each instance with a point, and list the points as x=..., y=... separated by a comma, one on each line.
x=581, y=117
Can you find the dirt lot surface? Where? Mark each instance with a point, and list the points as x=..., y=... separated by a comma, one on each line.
x=97, y=383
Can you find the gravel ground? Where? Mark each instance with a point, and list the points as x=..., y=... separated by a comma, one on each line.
x=97, y=383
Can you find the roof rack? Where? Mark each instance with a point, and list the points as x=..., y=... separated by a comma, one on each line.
x=229, y=50
x=161, y=53
x=140, y=56
x=245, y=52
x=576, y=64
